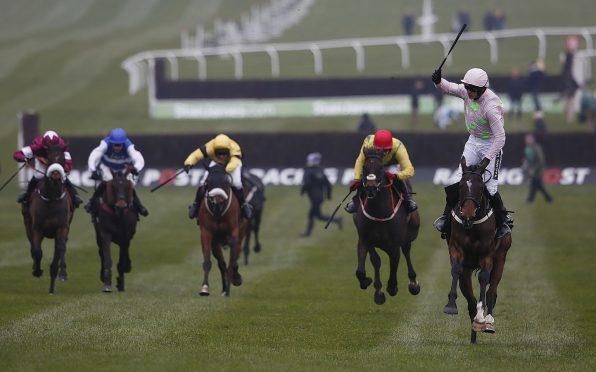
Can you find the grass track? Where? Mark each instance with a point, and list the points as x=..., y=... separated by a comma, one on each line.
x=300, y=307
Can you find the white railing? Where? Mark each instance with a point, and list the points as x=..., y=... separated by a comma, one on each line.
x=139, y=66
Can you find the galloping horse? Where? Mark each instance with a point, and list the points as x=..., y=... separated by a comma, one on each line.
x=48, y=214
x=383, y=222
x=218, y=218
x=116, y=223
x=255, y=196
x=472, y=246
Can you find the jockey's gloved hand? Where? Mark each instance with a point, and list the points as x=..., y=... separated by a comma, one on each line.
x=187, y=168
x=484, y=163
x=354, y=185
x=133, y=171
x=96, y=176
x=436, y=76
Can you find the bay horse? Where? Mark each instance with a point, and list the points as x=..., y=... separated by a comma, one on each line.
x=254, y=190
x=116, y=222
x=219, y=222
x=48, y=214
x=382, y=221
x=472, y=246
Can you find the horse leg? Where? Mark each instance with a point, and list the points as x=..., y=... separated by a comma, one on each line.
x=234, y=276
x=495, y=278
x=375, y=259
x=124, y=265
x=59, y=253
x=106, y=274
x=206, y=238
x=36, y=253
x=361, y=270
x=456, y=271
x=256, y=225
x=465, y=285
x=62, y=274
x=414, y=286
x=483, y=278
x=221, y=264
x=246, y=244
x=393, y=264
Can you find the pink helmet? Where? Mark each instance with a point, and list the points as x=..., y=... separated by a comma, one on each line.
x=383, y=140
x=51, y=138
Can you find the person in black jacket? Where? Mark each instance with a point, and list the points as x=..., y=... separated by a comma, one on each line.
x=317, y=186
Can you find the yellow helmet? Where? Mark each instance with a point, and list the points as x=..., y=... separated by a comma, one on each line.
x=221, y=141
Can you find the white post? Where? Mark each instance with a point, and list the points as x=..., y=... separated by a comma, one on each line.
x=428, y=20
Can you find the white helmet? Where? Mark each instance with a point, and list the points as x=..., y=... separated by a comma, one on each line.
x=476, y=77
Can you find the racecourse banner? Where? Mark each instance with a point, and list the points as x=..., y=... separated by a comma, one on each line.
x=292, y=176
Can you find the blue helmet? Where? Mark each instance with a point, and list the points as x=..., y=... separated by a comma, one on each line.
x=117, y=136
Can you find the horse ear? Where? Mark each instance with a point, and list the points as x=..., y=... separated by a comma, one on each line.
x=462, y=162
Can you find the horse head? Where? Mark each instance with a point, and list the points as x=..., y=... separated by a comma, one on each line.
x=218, y=189
x=471, y=193
x=120, y=191
x=55, y=174
x=373, y=172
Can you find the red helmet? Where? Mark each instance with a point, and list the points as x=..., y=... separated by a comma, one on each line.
x=51, y=138
x=383, y=140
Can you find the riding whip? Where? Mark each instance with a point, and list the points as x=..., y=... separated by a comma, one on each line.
x=336, y=209
x=168, y=180
x=453, y=45
x=11, y=177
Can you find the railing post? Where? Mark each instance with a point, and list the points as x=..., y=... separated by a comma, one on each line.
x=359, y=54
x=173, y=66
x=238, y=70
x=274, y=60
x=318, y=59
x=494, y=48
x=405, y=53
x=202, y=63
x=541, y=43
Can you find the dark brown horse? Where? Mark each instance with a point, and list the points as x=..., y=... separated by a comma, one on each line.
x=48, y=214
x=219, y=215
x=472, y=246
x=382, y=222
x=116, y=223
x=254, y=191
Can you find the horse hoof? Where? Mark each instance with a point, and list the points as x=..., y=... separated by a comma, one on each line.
x=489, y=328
x=380, y=298
x=120, y=284
x=392, y=290
x=37, y=273
x=257, y=248
x=225, y=294
x=106, y=289
x=450, y=310
x=204, y=290
x=478, y=327
x=363, y=279
x=414, y=288
x=63, y=277
x=237, y=279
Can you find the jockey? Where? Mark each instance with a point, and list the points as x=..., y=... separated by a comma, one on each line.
x=394, y=152
x=225, y=151
x=114, y=153
x=38, y=150
x=484, y=120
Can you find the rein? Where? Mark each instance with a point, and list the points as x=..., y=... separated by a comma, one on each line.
x=50, y=199
x=395, y=206
x=476, y=222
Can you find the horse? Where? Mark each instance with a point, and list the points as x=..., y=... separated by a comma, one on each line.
x=254, y=195
x=382, y=221
x=48, y=214
x=116, y=222
x=472, y=246
x=219, y=222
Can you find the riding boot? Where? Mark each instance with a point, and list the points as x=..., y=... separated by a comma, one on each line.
x=76, y=199
x=193, y=209
x=503, y=219
x=244, y=206
x=137, y=204
x=92, y=206
x=23, y=198
x=402, y=188
x=443, y=222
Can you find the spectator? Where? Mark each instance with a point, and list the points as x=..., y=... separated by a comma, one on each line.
x=445, y=115
x=533, y=165
x=515, y=90
x=417, y=89
x=317, y=186
x=534, y=82
x=407, y=22
x=539, y=125
x=366, y=125
x=569, y=84
x=588, y=107
x=489, y=20
x=499, y=19
x=459, y=19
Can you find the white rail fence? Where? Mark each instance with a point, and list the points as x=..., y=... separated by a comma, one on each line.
x=140, y=66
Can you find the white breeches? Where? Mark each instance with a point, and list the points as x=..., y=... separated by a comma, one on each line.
x=474, y=151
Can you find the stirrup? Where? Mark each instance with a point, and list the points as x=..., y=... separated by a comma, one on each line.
x=439, y=224
x=246, y=210
x=503, y=230
x=411, y=206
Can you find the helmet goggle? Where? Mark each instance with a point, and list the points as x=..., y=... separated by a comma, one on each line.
x=222, y=152
x=473, y=88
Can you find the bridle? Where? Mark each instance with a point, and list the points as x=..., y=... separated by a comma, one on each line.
x=468, y=222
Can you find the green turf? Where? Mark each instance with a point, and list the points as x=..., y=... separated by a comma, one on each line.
x=300, y=307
